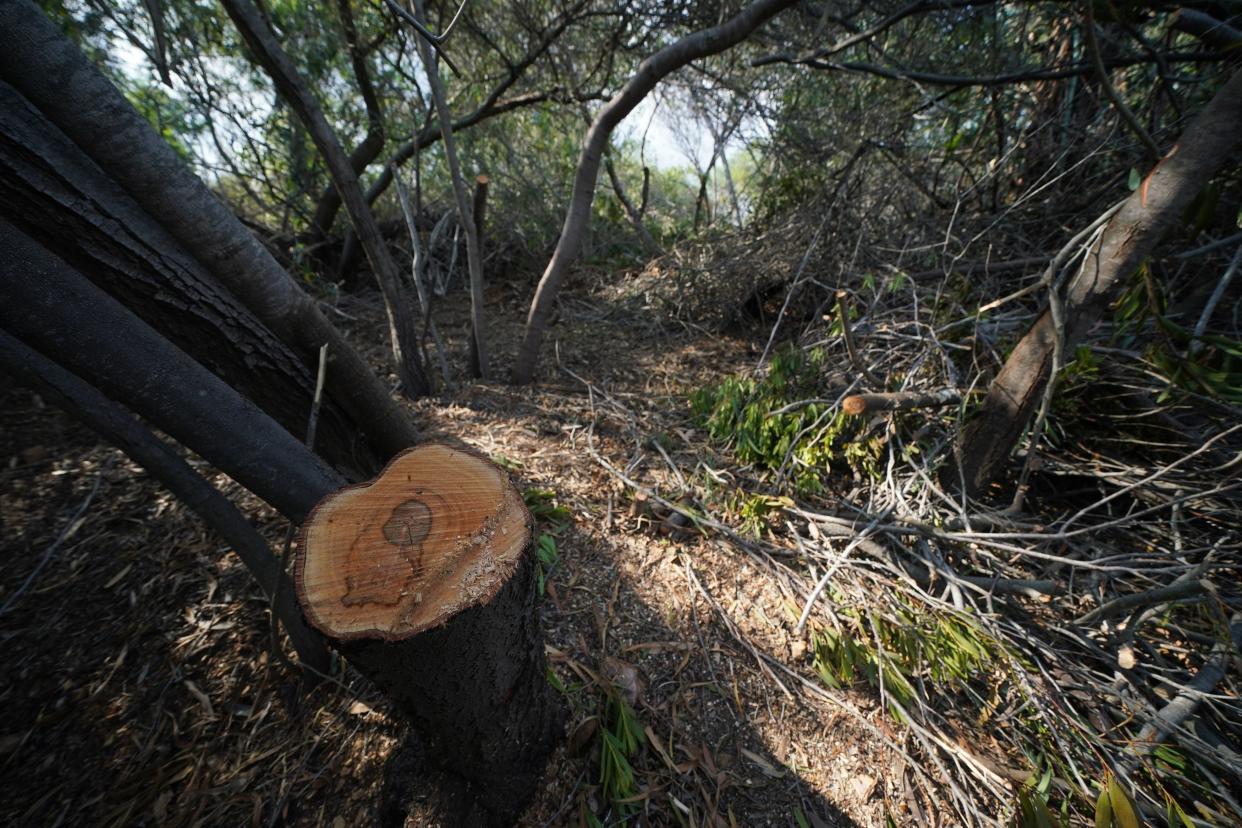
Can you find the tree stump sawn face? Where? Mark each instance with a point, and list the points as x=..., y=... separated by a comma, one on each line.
x=439, y=530
x=424, y=578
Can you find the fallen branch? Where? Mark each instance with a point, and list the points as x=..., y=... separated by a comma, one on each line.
x=848, y=336
x=899, y=401
x=1173, y=592
x=1169, y=717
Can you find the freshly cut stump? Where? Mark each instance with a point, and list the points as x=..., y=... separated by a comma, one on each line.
x=424, y=579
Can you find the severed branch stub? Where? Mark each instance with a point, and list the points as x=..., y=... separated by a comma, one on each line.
x=899, y=401
x=423, y=578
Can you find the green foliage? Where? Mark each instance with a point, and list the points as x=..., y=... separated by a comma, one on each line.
x=620, y=738
x=1214, y=371
x=754, y=510
x=1033, y=811
x=765, y=425
x=544, y=508
x=553, y=518
x=947, y=649
x=1114, y=809
x=545, y=550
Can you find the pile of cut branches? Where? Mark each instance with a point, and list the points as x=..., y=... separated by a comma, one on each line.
x=1060, y=653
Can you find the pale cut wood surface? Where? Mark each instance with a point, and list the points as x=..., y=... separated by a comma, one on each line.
x=439, y=530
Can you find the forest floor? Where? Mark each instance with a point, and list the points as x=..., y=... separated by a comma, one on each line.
x=141, y=687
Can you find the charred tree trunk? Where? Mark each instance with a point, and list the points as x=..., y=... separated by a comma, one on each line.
x=424, y=578
x=578, y=216
x=59, y=197
x=406, y=347
x=58, y=312
x=481, y=182
x=1129, y=237
x=51, y=73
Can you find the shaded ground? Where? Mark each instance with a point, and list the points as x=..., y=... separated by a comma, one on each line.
x=141, y=688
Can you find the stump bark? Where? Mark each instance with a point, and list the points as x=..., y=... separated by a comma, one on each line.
x=424, y=579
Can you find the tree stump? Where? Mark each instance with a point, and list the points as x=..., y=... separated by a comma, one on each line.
x=424, y=579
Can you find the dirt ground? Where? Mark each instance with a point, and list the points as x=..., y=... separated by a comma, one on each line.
x=140, y=686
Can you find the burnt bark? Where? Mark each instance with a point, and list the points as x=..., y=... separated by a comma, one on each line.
x=476, y=690
x=61, y=198
x=477, y=364
x=1208, y=143
x=51, y=73
x=55, y=310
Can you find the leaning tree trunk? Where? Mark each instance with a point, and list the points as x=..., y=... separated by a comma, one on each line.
x=372, y=143
x=56, y=311
x=123, y=430
x=50, y=72
x=59, y=197
x=1129, y=237
x=424, y=579
x=406, y=345
x=650, y=72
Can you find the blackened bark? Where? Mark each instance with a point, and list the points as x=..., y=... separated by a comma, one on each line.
x=58, y=312
x=477, y=692
x=59, y=197
x=476, y=363
x=49, y=71
x=123, y=430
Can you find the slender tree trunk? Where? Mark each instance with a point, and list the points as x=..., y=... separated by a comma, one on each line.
x=372, y=143
x=478, y=325
x=61, y=314
x=480, y=214
x=577, y=217
x=122, y=429
x=733, y=199
x=59, y=197
x=650, y=247
x=50, y=72
x=1209, y=142
x=267, y=51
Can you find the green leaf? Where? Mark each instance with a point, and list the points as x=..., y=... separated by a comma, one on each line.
x=1175, y=812
x=1104, y=811
x=800, y=818
x=1123, y=810
x=1135, y=179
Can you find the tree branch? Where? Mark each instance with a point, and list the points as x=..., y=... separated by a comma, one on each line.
x=650, y=72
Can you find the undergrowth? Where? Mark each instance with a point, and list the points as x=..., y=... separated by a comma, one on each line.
x=781, y=423
x=899, y=649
